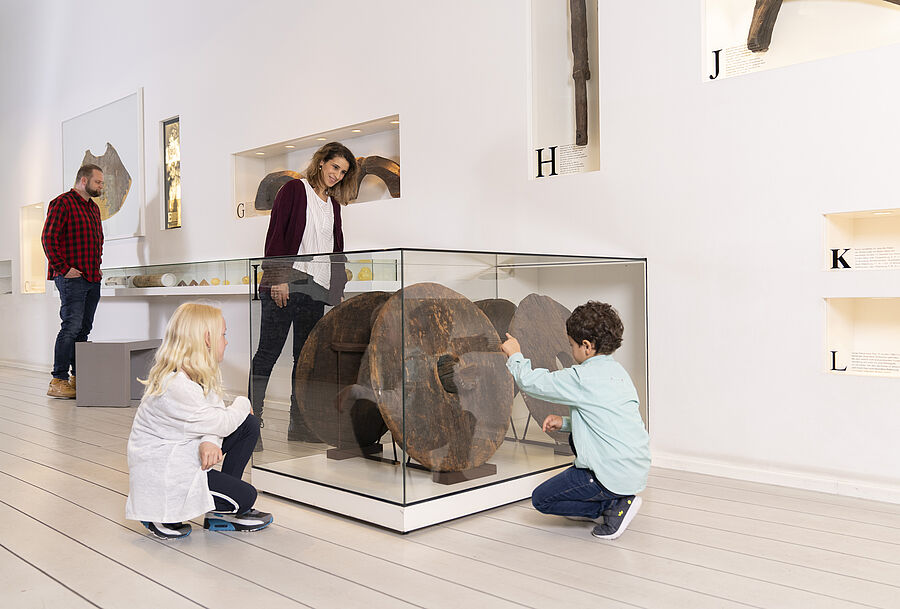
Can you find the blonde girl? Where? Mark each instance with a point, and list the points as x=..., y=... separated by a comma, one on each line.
x=182, y=428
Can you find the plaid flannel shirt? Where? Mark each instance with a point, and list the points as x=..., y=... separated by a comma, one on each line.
x=73, y=236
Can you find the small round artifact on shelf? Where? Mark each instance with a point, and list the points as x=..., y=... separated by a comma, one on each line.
x=215, y=281
x=365, y=274
x=349, y=274
x=245, y=279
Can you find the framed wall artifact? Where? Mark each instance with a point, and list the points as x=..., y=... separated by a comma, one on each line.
x=260, y=172
x=112, y=137
x=743, y=36
x=564, y=100
x=172, y=172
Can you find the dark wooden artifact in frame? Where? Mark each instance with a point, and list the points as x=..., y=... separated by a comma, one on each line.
x=269, y=187
x=435, y=368
x=117, y=180
x=386, y=170
x=539, y=324
x=335, y=408
x=172, y=171
x=763, y=23
x=581, y=72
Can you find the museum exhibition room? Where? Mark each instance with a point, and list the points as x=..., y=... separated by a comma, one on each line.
x=480, y=180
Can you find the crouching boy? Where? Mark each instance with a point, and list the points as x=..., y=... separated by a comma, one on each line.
x=611, y=446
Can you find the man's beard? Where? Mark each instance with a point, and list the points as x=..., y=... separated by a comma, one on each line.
x=93, y=193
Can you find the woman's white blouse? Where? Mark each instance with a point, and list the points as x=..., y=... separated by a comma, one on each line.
x=165, y=480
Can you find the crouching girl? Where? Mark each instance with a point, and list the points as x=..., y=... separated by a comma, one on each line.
x=182, y=428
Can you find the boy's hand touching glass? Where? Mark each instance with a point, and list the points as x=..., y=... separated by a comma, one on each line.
x=510, y=346
x=210, y=454
x=553, y=422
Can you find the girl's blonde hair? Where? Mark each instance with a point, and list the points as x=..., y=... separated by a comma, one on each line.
x=184, y=348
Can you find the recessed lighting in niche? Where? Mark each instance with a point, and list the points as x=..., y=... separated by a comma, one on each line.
x=374, y=143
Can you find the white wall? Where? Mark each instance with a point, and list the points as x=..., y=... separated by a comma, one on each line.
x=720, y=185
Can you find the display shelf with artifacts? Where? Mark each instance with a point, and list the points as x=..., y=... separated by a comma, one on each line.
x=378, y=273
x=743, y=37
x=261, y=171
x=564, y=105
x=404, y=414
x=5, y=276
x=863, y=336
x=186, y=279
x=33, y=271
x=863, y=240
x=862, y=257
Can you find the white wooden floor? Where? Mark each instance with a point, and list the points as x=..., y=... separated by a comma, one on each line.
x=699, y=541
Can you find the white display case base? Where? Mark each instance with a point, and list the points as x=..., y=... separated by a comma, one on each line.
x=396, y=516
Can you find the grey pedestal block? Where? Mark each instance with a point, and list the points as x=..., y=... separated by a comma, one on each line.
x=108, y=371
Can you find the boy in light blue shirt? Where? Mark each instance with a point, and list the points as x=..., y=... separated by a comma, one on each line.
x=612, y=448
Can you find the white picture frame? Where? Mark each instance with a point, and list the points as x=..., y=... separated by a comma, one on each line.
x=120, y=124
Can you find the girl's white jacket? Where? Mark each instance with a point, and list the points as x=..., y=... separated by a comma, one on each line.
x=165, y=481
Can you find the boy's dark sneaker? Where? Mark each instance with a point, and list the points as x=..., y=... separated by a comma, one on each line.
x=251, y=520
x=617, y=518
x=168, y=530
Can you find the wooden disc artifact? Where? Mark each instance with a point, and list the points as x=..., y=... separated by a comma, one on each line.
x=269, y=187
x=437, y=374
x=500, y=311
x=327, y=370
x=386, y=170
x=539, y=324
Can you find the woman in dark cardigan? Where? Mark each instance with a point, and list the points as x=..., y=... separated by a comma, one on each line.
x=306, y=219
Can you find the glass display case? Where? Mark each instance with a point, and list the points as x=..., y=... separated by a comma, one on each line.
x=187, y=279
x=398, y=409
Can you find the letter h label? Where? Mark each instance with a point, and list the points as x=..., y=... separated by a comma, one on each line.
x=541, y=161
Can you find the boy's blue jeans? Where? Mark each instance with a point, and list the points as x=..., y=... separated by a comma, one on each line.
x=574, y=492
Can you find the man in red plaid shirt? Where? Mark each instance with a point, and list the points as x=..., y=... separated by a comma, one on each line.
x=73, y=241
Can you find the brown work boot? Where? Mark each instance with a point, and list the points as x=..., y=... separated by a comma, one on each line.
x=72, y=381
x=60, y=388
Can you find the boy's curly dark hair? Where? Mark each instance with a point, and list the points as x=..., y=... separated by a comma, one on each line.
x=598, y=323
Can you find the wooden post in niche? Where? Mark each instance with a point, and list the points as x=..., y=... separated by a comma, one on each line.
x=581, y=72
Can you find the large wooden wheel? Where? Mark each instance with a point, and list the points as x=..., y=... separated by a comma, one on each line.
x=327, y=371
x=539, y=324
x=437, y=374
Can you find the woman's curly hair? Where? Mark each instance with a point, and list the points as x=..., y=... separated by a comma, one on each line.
x=598, y=323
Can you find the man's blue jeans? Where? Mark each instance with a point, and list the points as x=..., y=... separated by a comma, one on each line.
x=574, y=492
x=78, y=299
